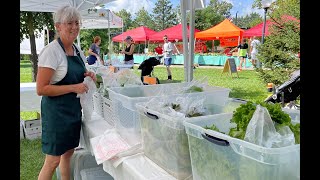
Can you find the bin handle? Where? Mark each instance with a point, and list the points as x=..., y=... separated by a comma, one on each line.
x=215, y=140
x=151, y=116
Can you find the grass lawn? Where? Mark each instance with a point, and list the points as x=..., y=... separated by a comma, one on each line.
x=247, y=87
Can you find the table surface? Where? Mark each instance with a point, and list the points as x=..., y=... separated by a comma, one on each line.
x=29, y=99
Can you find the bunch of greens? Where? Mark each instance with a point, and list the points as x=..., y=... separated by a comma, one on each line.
x=194, y=89
x=99, y=80
x=244, y=113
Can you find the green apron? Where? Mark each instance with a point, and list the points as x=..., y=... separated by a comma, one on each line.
x=61, y=115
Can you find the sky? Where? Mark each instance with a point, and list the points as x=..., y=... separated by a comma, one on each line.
x=240, y=7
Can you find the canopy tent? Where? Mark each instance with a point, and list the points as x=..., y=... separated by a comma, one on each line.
x=173, y=33
x=25, y=44
x=139, y=34
x=53, y=5
x=100, y=20
x=257, y=30
x=225, y=29
x=91, y=19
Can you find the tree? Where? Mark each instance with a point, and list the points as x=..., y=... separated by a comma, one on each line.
x=143, y=19
x=163, y=15
x=278, y=53
x=126, y=18
x=31, y=24
x=213, y=14
x=249, y=21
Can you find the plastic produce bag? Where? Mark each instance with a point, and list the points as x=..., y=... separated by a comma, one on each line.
x=195, y=86
x=261, y=131
x=86, y=100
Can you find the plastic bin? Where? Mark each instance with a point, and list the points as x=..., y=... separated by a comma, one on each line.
x=165, y=141
x=95, y=174
x=108, y=114
x=125, y=98
x=98, y=103
x=215, y=155
x=81, y=159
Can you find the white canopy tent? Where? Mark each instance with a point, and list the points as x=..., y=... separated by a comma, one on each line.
x=91, y=19
x=25, y=44
x=53, y=5
x=188, y=48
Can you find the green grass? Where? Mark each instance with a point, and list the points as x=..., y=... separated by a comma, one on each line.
x=247, y=87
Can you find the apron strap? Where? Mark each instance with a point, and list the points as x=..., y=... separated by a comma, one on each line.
x=77, y=52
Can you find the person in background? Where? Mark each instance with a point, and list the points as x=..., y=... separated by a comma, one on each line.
x=243, y=49
x=94, y=51
x=128, y=51
x=61, y=72
x=254, y=51
x=167, y=52
x=158, y=49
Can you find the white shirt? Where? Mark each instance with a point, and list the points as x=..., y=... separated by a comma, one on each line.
x=167, y=49
x=254, y=44
x=52, y=56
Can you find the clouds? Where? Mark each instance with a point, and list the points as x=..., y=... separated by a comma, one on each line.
x=132, y=6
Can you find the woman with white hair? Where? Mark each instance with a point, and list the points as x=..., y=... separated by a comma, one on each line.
x=61, y=72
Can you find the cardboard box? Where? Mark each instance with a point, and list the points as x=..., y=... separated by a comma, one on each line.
x=33, y=133
x=21, y=131
x=31, y=123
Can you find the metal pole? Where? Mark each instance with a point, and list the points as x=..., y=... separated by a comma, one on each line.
x=185, y=38
x=191, y=41
x=109, y=31
x=264, y=24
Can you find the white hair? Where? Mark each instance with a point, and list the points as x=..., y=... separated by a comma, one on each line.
x=66, y=14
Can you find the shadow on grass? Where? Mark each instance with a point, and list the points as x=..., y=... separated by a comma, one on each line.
x=245, y=94
x=25, y=65
x=168, y=81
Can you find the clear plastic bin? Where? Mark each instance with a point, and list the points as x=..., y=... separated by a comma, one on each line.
x=165, y=141
x=215, y=155
x=108, y=114
x=125, y=98
x=98, y=103
x=95, y=174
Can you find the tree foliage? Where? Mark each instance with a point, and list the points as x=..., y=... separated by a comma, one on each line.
x=31, y=26
x=163, y=15
x=248, y=21
x=126, y=18
x=143, y=18
x=213, y=14
x=279, y=51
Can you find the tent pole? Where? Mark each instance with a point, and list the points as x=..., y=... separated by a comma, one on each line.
x=48, y=35
x=78, y=40
x=184, y=38
x=191, y=41
x=110, y=50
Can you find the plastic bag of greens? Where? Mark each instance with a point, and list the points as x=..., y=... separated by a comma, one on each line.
x=262, y=131
x=86, y=100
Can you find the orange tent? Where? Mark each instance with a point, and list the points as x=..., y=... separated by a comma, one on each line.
x=222, y=31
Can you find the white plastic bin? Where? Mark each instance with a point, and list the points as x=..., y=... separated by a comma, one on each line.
x=125, y=98
x=95, y=174
x=165, y=141
x=98, y=103
x=81, y=159
x=108, y=114
x=215, y=155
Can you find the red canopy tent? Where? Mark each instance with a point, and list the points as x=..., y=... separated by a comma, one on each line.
x=257, y=30
x=173, y=33
x=139, y=34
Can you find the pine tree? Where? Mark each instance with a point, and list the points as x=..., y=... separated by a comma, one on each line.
x=164, y=15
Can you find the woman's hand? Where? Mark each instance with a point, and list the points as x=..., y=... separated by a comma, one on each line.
x=122, y=51
x=91, y=74
x=80, y=88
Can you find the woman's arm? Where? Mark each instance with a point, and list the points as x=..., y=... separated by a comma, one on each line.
x=131, y=50
x=44, y=88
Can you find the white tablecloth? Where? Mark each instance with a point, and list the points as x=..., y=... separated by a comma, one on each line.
x=136, y=167
x=29, y=99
